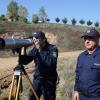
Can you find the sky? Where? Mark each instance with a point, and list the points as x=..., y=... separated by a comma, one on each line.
x=78, y=9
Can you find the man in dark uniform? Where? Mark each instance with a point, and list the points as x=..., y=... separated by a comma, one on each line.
x=45, y=59
x=87, y=84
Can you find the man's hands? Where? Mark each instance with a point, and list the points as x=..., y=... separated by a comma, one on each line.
x=36, y=43
x=76, y=95
x=23, y=51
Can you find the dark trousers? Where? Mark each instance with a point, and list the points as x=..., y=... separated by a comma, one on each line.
x=82, y=97
x=45, y=88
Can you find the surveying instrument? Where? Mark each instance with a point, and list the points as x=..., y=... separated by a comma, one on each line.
x=19, y=70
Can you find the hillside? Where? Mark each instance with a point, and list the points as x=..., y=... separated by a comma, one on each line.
x=66, y=37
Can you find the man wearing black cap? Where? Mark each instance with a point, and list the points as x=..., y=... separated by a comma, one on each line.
x=45, y=59
x=87, y=83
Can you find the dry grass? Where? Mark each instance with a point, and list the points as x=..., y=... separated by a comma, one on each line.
x=66, y=70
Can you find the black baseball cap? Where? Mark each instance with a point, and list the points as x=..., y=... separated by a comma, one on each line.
x=91, y=33
x=38, y=34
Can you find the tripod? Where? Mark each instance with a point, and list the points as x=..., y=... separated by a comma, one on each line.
x=18, y=72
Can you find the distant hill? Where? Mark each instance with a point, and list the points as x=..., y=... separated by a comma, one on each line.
x=66, y=37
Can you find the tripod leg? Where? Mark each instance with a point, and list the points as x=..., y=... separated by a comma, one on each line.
x=17, y=93
x=37, y=98
x=10, y=94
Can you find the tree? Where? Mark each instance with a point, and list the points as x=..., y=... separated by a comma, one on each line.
x=2, y=18
x=73, y=21
x=22, y=11
x=96, y=24
x=47, y=20
x=12, y=10
x=64, y=20
x=89, y=23
x=57, y=19
x=42, y=14
x=82, y=21
x=22, y=19
x=35, y=18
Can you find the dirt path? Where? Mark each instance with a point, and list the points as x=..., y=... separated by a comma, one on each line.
x=69, y=54
x=6, y=70
x=7, y=65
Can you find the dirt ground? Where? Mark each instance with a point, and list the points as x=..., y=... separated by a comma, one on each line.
x=69, y=54
x=8, y=64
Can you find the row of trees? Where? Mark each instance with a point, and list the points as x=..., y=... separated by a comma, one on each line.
x=20, y=13
x=74, y=21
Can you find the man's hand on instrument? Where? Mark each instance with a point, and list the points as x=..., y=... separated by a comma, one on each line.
x=36, y=43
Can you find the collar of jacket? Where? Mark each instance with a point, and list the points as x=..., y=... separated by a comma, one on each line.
x=94, y=53
x=45, y=46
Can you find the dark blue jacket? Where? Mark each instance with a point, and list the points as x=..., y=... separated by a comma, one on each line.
x=88, y=72
x=45, y=61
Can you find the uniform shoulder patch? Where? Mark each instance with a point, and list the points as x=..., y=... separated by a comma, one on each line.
x=55, y=47
x=55, y=54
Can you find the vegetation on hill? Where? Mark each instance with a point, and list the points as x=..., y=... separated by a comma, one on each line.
x=67, y=36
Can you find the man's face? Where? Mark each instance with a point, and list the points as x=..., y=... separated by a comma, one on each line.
x=91, y=42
